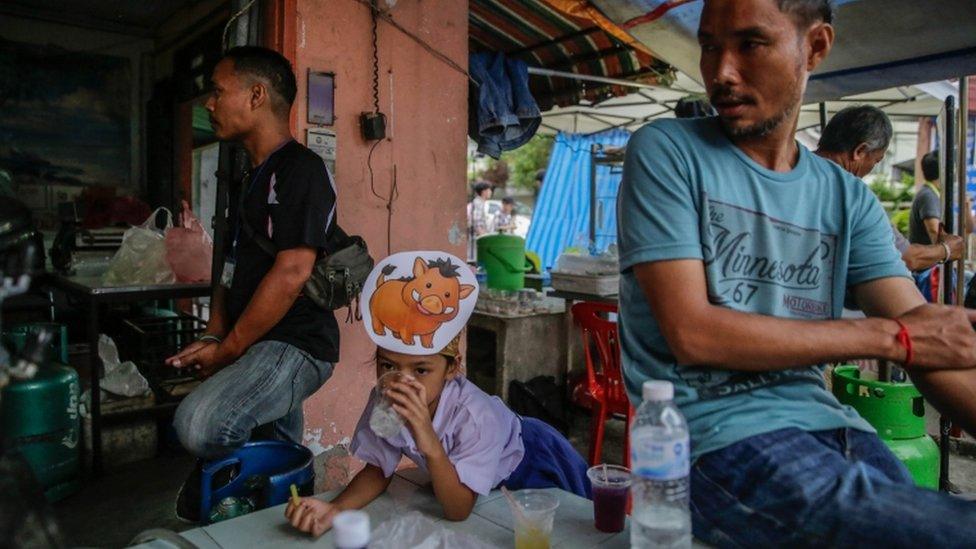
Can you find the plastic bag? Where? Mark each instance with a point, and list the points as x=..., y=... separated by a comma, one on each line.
x=419, y=532
x=121, y=378
x=141, y=258
x=189, y=248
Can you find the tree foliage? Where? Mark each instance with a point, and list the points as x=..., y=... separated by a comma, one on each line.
x=522, y=164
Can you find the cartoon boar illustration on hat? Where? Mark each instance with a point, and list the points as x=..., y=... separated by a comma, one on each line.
x=420, y=304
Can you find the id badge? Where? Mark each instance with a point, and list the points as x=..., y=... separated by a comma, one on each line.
x=228, y=275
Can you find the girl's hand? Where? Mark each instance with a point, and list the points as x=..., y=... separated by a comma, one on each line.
x=311, y=515
x=410, y=401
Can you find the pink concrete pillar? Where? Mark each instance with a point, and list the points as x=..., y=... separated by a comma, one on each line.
x=425, y=102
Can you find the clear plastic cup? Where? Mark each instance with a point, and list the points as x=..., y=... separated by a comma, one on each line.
x=533, y=518
x=611, y=489
x=384, y=420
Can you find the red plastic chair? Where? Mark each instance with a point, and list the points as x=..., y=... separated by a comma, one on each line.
x=602, y=390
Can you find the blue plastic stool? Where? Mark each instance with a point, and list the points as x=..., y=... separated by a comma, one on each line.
x=278, y=464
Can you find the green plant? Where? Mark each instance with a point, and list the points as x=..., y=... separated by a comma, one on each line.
x=882, y=188
x=526, y=161
x=893, y=191
x=908, y=186
x=497, y=173
x=900, y=220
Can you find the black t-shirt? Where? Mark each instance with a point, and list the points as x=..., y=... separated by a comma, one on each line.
x=291, y=199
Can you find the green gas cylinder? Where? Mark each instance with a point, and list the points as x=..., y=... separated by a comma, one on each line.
x=16, y=337
x=920, y=456
x=39, y=419
x=897, y=412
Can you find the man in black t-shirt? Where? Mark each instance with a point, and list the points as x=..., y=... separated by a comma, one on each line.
x=267, y=346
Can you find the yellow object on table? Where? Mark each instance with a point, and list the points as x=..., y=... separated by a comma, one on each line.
x=530, y=537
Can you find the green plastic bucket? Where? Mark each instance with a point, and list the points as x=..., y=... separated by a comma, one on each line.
x=503, y=257
x=16, y=337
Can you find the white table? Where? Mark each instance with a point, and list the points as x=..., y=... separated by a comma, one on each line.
x=491, y=521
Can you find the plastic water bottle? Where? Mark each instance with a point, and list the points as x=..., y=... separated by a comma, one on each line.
x=659, y=452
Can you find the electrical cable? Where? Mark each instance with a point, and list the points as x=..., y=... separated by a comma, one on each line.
x=394, y=189
x=223, y=39
x=654, y=14
x=394, y=195
x=376, y=61
x=369, y=166
x=420, y=41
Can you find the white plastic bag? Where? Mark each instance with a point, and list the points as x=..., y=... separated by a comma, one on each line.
x=141, y=258
x=121, y=378
x=419, y=532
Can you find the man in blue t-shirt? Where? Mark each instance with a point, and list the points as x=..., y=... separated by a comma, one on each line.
x=736, y=248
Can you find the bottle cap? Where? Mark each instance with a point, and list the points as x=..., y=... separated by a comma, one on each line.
x=657, y=390
x=351, y=529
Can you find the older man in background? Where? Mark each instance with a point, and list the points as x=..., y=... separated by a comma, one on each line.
x=857, y=138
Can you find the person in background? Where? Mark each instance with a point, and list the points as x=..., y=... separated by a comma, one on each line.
x=267, y=346
x=505, y=223
x=540, y=177
x=737, y=246
x=857, y=138
x=693, y=107
x=478, y=210
x=924, y=223
x=478, y=219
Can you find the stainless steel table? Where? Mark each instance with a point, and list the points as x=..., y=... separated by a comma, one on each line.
x=93, y=295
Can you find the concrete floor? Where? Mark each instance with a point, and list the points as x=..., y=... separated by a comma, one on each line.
x=110, y=511
x=132, y=498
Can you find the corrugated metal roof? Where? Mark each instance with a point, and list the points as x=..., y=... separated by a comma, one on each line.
x=562, y=213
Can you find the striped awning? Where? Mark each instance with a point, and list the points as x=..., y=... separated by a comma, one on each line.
x=547, y=37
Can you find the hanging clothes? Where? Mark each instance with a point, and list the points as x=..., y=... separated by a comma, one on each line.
x=503, y=113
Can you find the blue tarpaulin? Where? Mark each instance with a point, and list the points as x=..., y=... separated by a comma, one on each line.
x=562, y=213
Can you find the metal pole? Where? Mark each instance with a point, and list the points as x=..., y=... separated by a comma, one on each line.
x=588, y=78
x=964, y=212
x=949, y=183
x=593, y=149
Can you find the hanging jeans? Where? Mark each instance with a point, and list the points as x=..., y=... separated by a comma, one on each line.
x=507, y=114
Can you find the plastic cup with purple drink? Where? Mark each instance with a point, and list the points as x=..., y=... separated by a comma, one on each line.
x=611, y=488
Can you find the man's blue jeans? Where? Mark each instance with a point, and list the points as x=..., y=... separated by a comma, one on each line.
x=268, y=384
x=839, y=488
